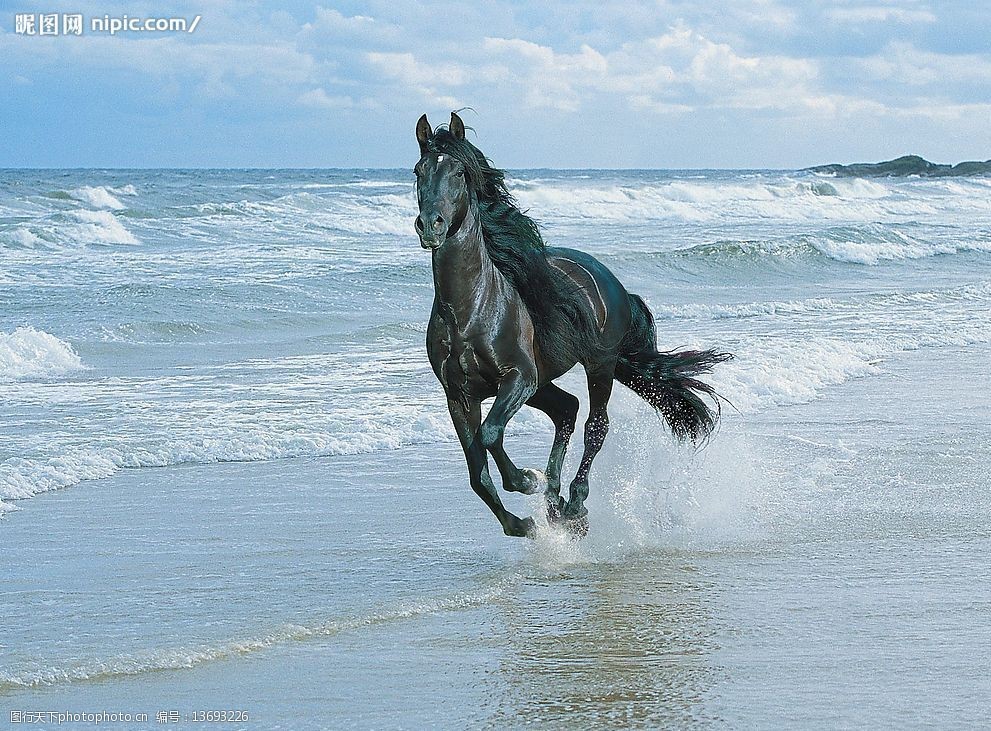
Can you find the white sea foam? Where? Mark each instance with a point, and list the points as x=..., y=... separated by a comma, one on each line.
x=368, y=207
x=356, y=434
x=774, y=371
x=244, y=415
x=280, y=411
x=181, y=658
x=746, y=309
x=383, y=214
x=871, y=253
x=31, y=353
x=781, y=199
x=102, y=197
x=61, y=229
x=24, y=237
x=219, y=420
x=353, y=213
x=953, y=302
x=867, y=244
x=99, y=227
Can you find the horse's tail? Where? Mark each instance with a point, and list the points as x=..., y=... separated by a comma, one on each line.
x=668, y=381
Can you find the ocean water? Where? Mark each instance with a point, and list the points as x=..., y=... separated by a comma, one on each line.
x=228, y=479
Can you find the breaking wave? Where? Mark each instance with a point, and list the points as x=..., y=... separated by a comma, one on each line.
x=868, y=244
x=181, y=658
x=67, y=230
x=102, y=197
x=30, y=353
x=779, y=198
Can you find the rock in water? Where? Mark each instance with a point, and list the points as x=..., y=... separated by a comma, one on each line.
x=904, y=166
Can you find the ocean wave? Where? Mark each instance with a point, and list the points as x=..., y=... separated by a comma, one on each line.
x=21, y=237
x=357, y=184
x=698, y=310
x=276, y=408
x=205, y=432
x=558, y=201
x=783, y=199
x=67, y=230
x=102, y=197
x=388, y=207
x=774, y=372
x=355, y=208
x=181, y=658
x=764, y=199
x=770, y=371
x=875, y=244
x=867, y=244
x=31, y=353
x=387, y=213
x=870, y=306
x=99, y=227
x=27, y=353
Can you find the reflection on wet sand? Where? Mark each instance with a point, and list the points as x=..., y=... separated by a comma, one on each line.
x=609, y=645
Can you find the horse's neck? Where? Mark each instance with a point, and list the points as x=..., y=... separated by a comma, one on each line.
x=464, y=276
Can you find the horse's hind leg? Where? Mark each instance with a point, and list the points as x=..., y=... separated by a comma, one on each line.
x=466, y=417
x=562, y=408
x=596, y=428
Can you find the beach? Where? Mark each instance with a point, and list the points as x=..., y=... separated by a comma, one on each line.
x=230, y=482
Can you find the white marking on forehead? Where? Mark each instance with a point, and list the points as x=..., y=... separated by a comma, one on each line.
x=440, y=158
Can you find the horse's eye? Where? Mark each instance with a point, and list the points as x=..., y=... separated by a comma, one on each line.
x=460, y=173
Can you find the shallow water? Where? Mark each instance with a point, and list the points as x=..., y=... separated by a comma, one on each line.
x=237, y=485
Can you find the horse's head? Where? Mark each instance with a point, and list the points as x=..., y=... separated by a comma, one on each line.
x=441, y=184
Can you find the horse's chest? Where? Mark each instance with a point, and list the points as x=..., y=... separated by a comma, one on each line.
x=456, y=359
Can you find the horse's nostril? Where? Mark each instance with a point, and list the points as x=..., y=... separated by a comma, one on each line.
x=418, y=224
x=438, y=223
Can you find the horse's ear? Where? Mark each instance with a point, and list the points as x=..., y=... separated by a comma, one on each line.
x=423, y=133
x=457, y=126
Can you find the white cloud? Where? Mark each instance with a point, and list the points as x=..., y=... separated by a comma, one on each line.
x=903, y=63
x=673, y=72
x=320, y=99
x=430, y=81
x=879, y=14
x=842, y=69
x=214, y=70
x=354, y=30
x=551, y=79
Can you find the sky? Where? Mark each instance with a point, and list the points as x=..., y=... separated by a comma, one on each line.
x=548, y=83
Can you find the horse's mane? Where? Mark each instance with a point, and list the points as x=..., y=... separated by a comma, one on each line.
x=564, y=324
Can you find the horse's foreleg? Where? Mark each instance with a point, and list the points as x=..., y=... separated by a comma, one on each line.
x=466, y=417
x=596, y=428
x=562, y=408
x=514, y=390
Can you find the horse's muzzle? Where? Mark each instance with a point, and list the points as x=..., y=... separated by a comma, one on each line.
x=433, y=239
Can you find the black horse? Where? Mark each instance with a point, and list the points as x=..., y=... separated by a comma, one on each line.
x=511, y=314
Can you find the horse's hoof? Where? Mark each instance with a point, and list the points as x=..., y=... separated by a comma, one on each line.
x=527, y=482
x=521, y=528
x=571, y=511
x=534, y=481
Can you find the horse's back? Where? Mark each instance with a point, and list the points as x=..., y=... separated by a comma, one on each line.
x=607, y=296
